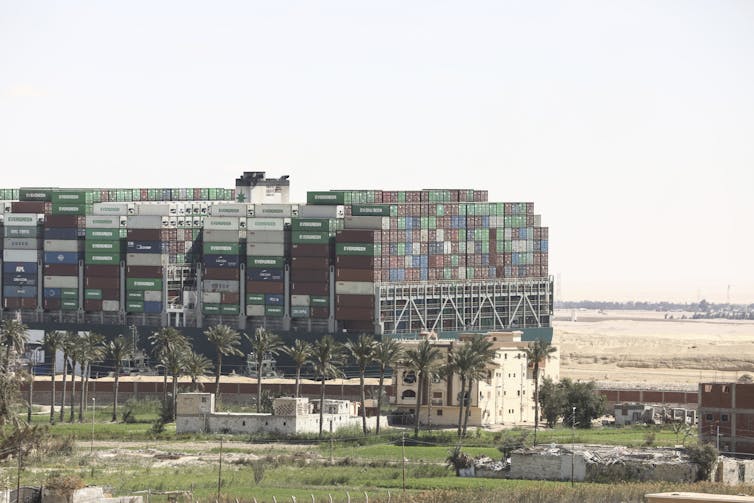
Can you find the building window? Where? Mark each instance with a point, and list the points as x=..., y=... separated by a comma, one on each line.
x=243, y=423
x=506, y=356
x=724, y=418
x=708, y=417
x=409, y=377
x=439, y=412
x=518, y=393
x=204, y=399
x=726, y=388
x=409, y=393
x=707, y=388
x=437, y=394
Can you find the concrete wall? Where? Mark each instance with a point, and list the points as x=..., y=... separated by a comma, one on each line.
x=547, y=466
x=733, y=472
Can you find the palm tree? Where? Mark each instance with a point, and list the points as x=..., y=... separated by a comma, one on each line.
x=326, y=357
x=362, y=353
x=481, y=349
x=387, y=353
x=14, y=336
x=92, y=350
x=53, y=340
x=300, y=353
x=226, y=342
x=117, y=349
x=175, y=363
x=197, y=365
x=537, y=352
x=74, y=351
x=263, y=343
x=460, y=359
x=69, y=339
x=164, y=341
x=422, y=360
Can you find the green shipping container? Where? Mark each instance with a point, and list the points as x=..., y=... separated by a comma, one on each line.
x=211, y=308
x=34, y=195
x=102, y=246
x=306, y=237
x=229, y=309
x=263, y=262
x=70, y=209
x=221, y=248
x=135, y=306
x=93, y=294
x=299, y=312
x=97, y=258
x=73, y=197
x=319, y=301
x=69, y=304
x=69, y=293
x=325, y=198
x=370, y=210
x=311, y=224
x=135, y=295
x=366, y=249
x=143, y=284
x=105, y=234
x=255, y=299
x=276, y=311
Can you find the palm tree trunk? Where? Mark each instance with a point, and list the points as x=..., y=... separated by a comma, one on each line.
x=115, y=394
x=461, y=405
x=165, y=388
x=175, y=390
x=65, y=378
x=321, y=405
x=217, y=374
x=52, y=399
x=298, y=380
x=81, y=393
x=379, y=399
x=468, y=408
x=259, y=385
x=363, y=402
x=536, y=401
x=418, y=403
x=428, y=391
x=73, y=390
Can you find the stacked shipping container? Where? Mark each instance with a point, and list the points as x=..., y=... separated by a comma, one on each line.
x=104, y=246
x=266, y=245
x=145, y=261
x=222, y=250
x=21, y=254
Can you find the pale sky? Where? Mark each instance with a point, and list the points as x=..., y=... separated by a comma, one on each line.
x=629, y=124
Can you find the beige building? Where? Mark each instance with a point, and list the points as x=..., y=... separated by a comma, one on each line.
x=506, y=396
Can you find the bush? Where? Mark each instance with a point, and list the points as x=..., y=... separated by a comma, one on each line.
x=705, y=457
x=458, y=460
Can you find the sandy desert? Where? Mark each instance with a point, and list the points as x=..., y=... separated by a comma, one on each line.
x=646, y=349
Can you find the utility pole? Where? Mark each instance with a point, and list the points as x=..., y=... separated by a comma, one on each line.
x=220, y=470
x=91, y=448
x=403, y=458
x=31, y=391
x=573, y=441
x=18, y=473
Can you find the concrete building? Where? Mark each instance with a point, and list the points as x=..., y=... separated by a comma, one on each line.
x=195, y=413
x=505, y=396
x=641, y=413
x=726, y=416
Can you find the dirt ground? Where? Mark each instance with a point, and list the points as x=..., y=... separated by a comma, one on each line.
x=643, y=348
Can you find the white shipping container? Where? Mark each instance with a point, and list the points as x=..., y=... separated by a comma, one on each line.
x=61, y=281
x=112, y=209
x=507, y=233
x=321, y=211
x=216, y=236
x=229, y=210
x=22, y=219
x=277, y=237
x=266, y=224
x=416, y=248
x=110, y=305
x=276, y=210
x=211, y=297
x=63, y=245
x=21, y=255
x=254, y=310
x=354, y=288
x=424, y=235
x=161, y=209
x=221, y=223
x=219, y=285
x=152, y=259
x=268, y=249
x=440, y=235
x=537, y=220
x=103, y=222
x=145, y=222
x=447, y=247
x=23, y=243
x=152, y=295
x=408, y=260
x=300, y=300
x=363, y=222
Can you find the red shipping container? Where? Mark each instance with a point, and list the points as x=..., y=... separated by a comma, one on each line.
x=61, y=270
x=92, y=306
x=319, y=288
x=103, y=271
x=143, y=271
x=265, y=287
x=366, y=301
x=310, y=275
x=225, y=273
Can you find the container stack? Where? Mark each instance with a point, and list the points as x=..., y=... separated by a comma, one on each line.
x=357, y=255
x=310, y=266
x=145, y=260
x=63, y=250
x=221, y=260
x=265, y=260
x=20, y=260
x=103, y=255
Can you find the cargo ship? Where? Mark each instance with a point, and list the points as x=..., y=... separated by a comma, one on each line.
x=387, y=262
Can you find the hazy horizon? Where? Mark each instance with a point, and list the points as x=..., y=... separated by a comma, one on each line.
x=629, y=125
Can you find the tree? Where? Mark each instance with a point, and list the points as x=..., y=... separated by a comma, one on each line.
x=69, y=339
x=175, y=363
x=482, y=354
x=117, y=350
x=53, y=340
x=263, y=343
x=460, y=361
x=326, y=357
x=226, y=342
x=14, y=337
x=163, y=341
x=387, y=354
x=300, y=353
x=704, y=456
x=589, y=403
x=362, y=353
x=551, y=401
x=92, y=350
x=197, y=365
x=422, y=360
x=537, y=352
x=74, y=351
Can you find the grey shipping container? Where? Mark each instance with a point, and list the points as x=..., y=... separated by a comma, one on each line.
x=22, y=243
x=150, y=259
x=321, y=211
x=374, y=223
x=219, y=285
x=220, y=236
x=268, y=249
x=145, y=222
x=255, y=310
x=63, y=245
x=21, y=255
x=354, y=288
x=110, y=305
x=255, y=236
x=61, y=281
x=211, y=297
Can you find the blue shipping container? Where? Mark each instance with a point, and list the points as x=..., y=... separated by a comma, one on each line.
x=152, y=307
x=52, y=293
x=255, y=274
x=221, y=261
x=61, y=233
x=26, y=292
x=273, y=299
x=20, y=267
x=144, y=246
x=17, y=279
x=62, y=257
